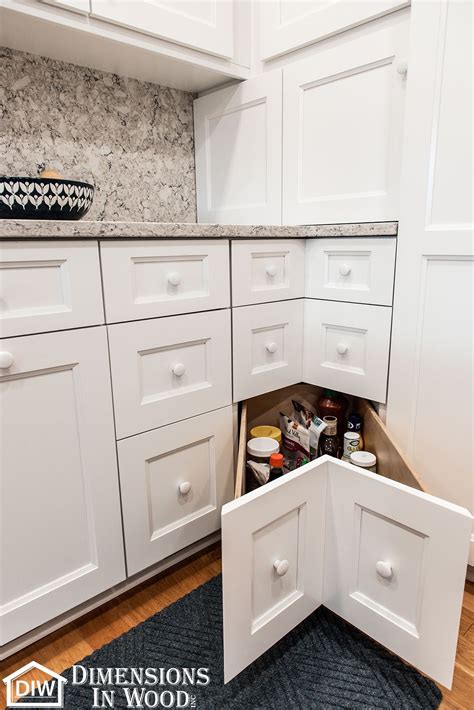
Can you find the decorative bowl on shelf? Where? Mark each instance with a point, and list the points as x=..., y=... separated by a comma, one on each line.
x=44, y=198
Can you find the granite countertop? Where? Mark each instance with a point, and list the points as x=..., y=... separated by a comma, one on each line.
x=57, y=229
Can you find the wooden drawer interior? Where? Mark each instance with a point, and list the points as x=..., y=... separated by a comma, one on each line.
x=265, y=409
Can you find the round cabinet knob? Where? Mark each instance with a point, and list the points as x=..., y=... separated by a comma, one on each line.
x=281, y=567
x=402, y=68
x=6, y=360
x=179, y=369
x=384, y=569
x=184, y=487
x=174, y=278
x=271, y=270
x=342, y=348
x=344, y=270
x=271, y=347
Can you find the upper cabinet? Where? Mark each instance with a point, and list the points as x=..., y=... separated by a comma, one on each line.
x=206, y=25
x=286, y=25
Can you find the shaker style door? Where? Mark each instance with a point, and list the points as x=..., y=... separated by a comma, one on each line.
x=272, y=554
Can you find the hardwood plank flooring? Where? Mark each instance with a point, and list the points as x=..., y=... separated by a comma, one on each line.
x=83, y=636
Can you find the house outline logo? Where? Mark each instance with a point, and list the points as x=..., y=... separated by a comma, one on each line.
x=32, y=686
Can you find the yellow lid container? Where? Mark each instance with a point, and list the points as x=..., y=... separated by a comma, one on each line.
x=270, y=431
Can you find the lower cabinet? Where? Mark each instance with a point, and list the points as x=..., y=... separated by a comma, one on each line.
x=174, y=481
x=60, y=509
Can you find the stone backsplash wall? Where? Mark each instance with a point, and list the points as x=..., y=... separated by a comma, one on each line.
x=132, y=139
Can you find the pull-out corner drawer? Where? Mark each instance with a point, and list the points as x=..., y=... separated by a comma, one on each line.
x=346, y=347
x=267, y=347
x=46, y=286
x=167, y=369
x=356, y=270
x=267, y=270
x=174, y=481
x=146, y=279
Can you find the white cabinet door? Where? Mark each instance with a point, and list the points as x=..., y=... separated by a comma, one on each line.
x=390, y=559
x=146, y=279
x=238, y=152
x=286, y=25
x=61, y=526
x=82, y=6
x=174, y=481
x=346, y=347
x=272, y=555
x=267, y=347
x=167, y=369
x=342, y=118
x=205, y=25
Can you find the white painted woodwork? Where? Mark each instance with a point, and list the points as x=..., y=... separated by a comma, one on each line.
x=431, y=372
x=414, y=610
x=238, y=134
x=388, y=558
x=286, y=25
x=355, y=270
x=144, y=279
x=266, y=270
x=167, y=369
x=206, y=25
x=60, y=510
x=342, y=131
x=82, y=6
x=267, y=347
x=282, y=522
x=173, y=482
x=346, y=347
x=49, y=286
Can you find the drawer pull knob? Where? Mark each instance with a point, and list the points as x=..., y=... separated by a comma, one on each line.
x=384, y=569
x=281, y=567
x=174, y=278
x=271, y=270
x=342, y=348
x=271, y=347
x=179, y=369
x=402, y=68
x=184, y=488
x=6, y=360
x=344, y=270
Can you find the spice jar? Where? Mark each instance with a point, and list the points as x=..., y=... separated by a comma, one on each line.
x=352, y=443
x=328, y=442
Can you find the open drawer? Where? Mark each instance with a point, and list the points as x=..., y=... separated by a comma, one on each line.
x=385, y=556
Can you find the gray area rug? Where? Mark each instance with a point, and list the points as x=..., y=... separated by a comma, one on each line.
x=323, y=663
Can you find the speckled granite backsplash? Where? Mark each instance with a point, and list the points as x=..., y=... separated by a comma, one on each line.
x=133, y=140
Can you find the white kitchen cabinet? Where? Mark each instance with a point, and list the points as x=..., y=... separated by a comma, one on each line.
x=266, y=270
x=342, y=131
x=355, y=270
x=49, y=286
x=60, y=510
x=144, y=279
x=387, y=558
x=82, y=6
x=286, y=25
x=167, y=369
x=346, y=347
x=237, y=134
x=267, y=347
x=173, y=482
x=206, y=25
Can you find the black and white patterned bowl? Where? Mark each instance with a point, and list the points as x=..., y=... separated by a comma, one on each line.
x=44, y=198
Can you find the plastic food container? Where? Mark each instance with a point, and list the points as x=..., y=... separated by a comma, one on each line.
x=364, y=459
x=266, y=431
x=261, y=448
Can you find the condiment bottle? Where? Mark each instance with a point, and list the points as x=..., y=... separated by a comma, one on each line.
x=328, y=442
x=354, y=423
x=276, y=466
x=351, y=443
x=333, y=404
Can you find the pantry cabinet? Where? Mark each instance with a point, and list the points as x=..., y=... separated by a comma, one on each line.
x=387, y=558
x=60, y=508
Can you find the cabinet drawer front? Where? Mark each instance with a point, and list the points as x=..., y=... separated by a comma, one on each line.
x=265, y=271
x=49, y=286
x=357, y=270
x=267, y=346
x=346, y=347
x=145, y=279
x=164, y=370
x=174, y=481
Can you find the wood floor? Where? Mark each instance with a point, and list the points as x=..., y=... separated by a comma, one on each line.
x=71, y=643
